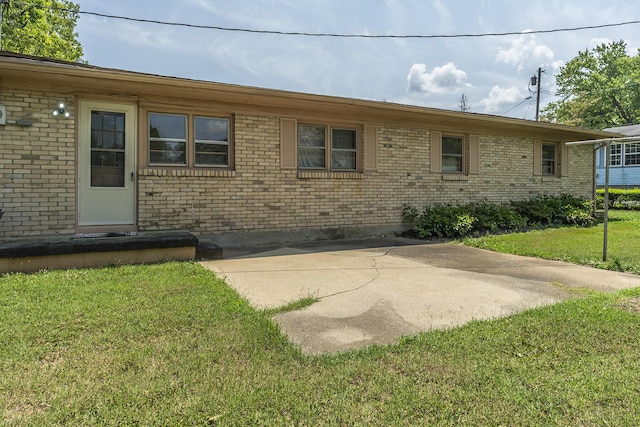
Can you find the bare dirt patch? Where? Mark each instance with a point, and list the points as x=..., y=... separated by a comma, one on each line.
x=631, y=304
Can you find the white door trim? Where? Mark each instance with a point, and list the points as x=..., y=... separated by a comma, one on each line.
x=113, y=207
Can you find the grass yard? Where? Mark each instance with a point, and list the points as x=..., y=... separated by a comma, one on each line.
x=171, y=344
x=577, y=245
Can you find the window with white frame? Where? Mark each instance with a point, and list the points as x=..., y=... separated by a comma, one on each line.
x=326, y=147
x=632, y=154
x=186, y=140
x=453, y=154
x=615, y=155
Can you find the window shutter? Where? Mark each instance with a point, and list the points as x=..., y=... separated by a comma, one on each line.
x=565, y=160
x=370, y=148
x=288, y=143
x=436, y=151
x=474, y=154
x=537, y=157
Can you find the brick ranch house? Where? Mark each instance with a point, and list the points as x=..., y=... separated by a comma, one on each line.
x=140, y=152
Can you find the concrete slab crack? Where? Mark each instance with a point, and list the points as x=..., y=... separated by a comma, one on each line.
x=375, y=267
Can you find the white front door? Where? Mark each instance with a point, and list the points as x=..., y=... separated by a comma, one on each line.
x=107, y=164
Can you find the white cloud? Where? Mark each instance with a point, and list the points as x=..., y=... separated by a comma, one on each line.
x=355, y=67
x=525, y=51
x=556, y=65
x=501, y=99
x=443, y=13
x=597, y=41
x=444, y=79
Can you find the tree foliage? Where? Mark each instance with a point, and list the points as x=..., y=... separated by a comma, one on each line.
x=600, y=88
x=41, y=28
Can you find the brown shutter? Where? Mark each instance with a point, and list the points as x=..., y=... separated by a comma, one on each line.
x=537, y=157
x=565, y=160
x=370, y=148
x=288, y=143
x=436, y=151
x=474, y=154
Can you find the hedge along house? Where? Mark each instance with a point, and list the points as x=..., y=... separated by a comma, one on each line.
x=140, y=152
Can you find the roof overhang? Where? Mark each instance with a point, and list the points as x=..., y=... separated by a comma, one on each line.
x=597, y=143
x=628, y=130
x=74, y=78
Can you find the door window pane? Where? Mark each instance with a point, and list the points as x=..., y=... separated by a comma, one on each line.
x=107, y=149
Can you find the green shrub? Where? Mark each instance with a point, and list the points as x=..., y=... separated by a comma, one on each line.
x=409, y=214
x=581, y=216
x=537, y=210
x=464, y=224
x=545, y=211
x=493, y=217
x=453, y=221
x=620, y=198
x=438, y=221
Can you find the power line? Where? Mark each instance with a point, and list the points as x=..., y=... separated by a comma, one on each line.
x=338, y=35
x=524, y=116
x=517, y=105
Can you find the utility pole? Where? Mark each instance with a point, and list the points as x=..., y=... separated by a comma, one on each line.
x=535, y=81
x=538, y=96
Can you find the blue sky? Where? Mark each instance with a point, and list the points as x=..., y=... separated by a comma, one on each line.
x=493, y=72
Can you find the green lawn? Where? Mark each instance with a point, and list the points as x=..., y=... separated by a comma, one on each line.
x=171, y=344
x=577, y=245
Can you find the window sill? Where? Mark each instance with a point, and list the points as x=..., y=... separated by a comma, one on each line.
x=209, y=173
x=329, y=175
x=455, y=177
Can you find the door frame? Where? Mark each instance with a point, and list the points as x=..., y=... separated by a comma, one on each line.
x=83, y=131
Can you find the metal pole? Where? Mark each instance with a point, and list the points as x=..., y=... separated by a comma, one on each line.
x=594, y=188
x=607, y=150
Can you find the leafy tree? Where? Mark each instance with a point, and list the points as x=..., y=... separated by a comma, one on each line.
x=599, y=89
x=41, y=28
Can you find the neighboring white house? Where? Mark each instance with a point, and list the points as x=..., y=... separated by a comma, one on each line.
x=625, y=160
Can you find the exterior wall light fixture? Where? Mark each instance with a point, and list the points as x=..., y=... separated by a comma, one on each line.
x=61, y=111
